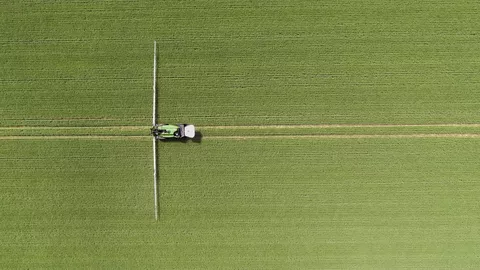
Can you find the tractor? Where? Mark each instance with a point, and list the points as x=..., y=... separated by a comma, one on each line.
x=168, y=131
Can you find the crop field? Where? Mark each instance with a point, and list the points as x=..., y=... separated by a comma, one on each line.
x=332, y=134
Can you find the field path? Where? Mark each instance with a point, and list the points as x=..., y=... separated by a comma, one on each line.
x=74, y=127
x=355, y=136
x=343, y=131
x=69, y=137
x=339, y=126
x=338, y=131
x=261, y=126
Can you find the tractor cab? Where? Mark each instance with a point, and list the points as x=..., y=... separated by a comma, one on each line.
x=168, y=131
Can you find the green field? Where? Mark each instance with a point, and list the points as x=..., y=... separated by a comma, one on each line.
x=336, y=134
x=329, y=203
x=239, y=62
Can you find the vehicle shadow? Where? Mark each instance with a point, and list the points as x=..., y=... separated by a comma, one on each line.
x=196, y=139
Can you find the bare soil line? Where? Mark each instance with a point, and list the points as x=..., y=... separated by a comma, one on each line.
x=67, y=119
x=67, y=137
x=337, y=126
x=264, y=137
x=135, y=127
x=246, y=137
x=356, y=136
x=86, y=127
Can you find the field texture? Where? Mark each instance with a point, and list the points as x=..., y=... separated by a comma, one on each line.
x=239, y=62
x=307, y=203
x=334, y=134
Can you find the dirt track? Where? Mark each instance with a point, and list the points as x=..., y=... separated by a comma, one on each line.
x=338, y=126
x=140, y=136
x=92, y=127
x=69, y=137
x=257, y=126
x=353, y=136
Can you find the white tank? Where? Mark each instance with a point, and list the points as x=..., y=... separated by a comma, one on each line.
x=190, y=131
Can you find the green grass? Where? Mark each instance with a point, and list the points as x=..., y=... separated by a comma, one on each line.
x=329, y=203
x=76, y=131
x=222, y=62
x=383, y=203
x=315, y=62
x=64, y=203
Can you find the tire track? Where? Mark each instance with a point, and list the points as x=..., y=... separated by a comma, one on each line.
x=75, y=127
x=227, y=137
x=338, y=126
x=258, y=126
x=240, y=137
x=70, y=137
x=353, y=136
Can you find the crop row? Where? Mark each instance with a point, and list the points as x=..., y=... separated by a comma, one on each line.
x=263, y=200
x=76, y=131
x=218, y=131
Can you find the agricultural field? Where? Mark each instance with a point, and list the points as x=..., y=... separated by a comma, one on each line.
x=282, y=203
x=334, y=134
